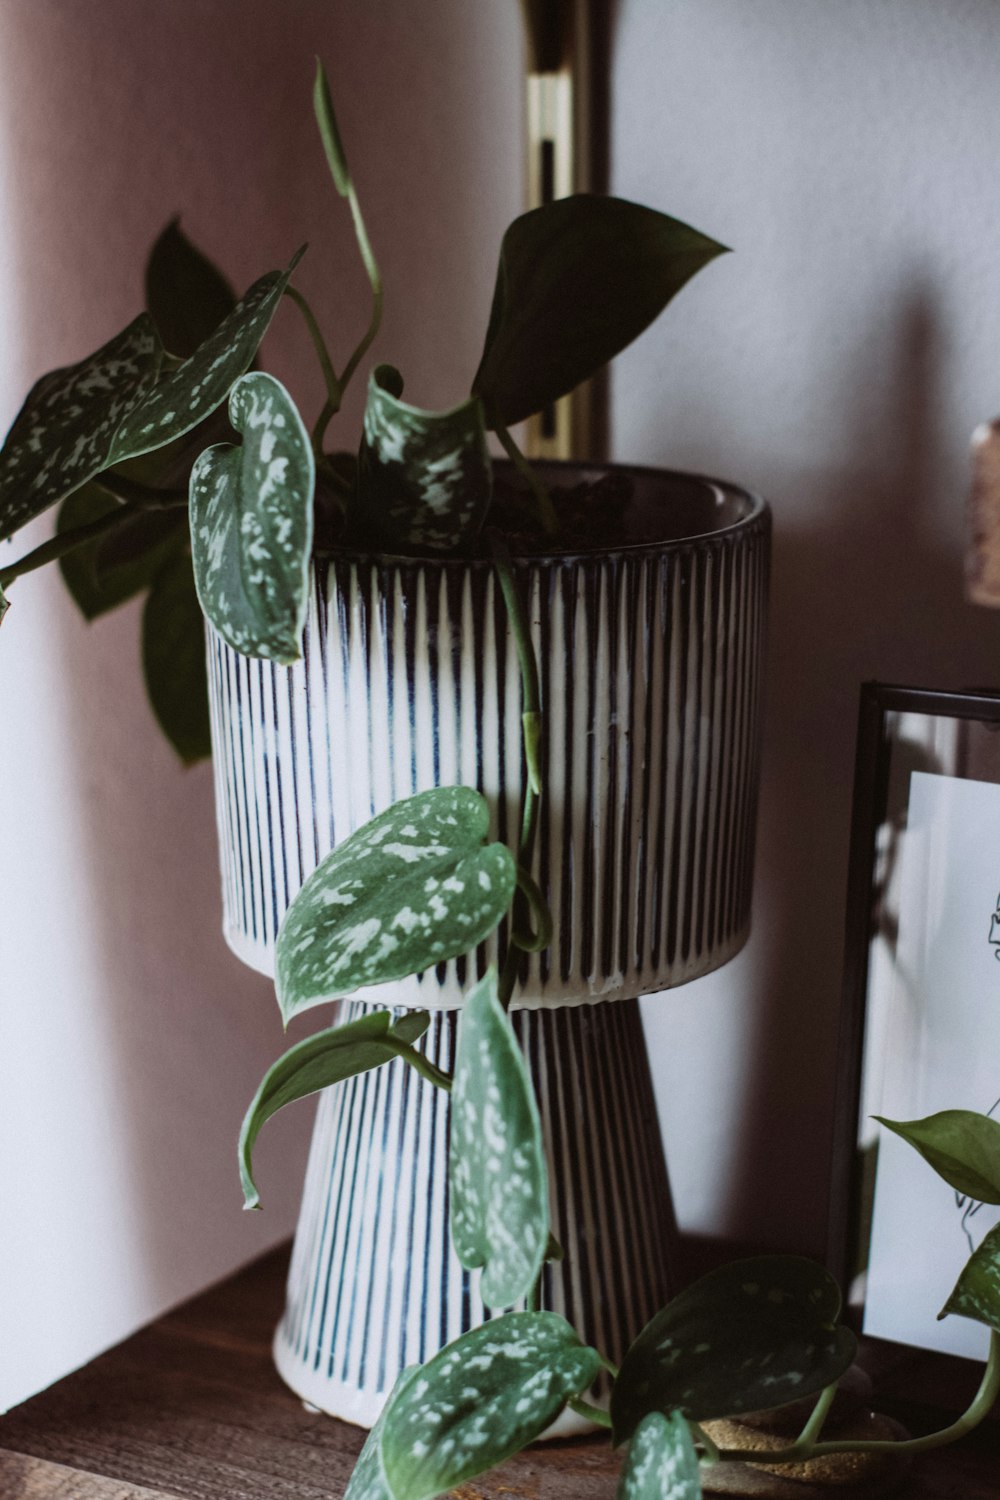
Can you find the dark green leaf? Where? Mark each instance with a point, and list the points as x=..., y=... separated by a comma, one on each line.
x=499, y=1198
x=416, y=885
x=191, y=392
x=482, y=1399
x=751, y=1335
x=173, y=659
x=963, y=1147
x=252, y=523
x=319, y=1061
x=107, y=571
x=65, y=431
x=579, y=279
x=329, y=133
x=4, y=605
x=424, y=477
x=977, y=1291
x=662, y=1463
x=186, y=294
x=368, y=1481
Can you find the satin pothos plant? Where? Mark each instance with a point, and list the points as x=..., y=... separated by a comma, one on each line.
x=157, y=497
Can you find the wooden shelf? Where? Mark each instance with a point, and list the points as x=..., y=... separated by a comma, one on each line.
x=190, y=1408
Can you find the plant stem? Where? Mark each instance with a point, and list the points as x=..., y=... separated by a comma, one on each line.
x=142, y=496
x=333, y=385
x=374, y=277
x=609, y=1365
x=546, y=510
x=818, y=1415
x=710, y=1453
x=527, y=941
x=587, y=1409
x=417, y=1060
x=66, y=541
x=982, y=1403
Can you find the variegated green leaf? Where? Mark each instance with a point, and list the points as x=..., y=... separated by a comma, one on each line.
x=319, y=1061
x=662, y=1463
x=186, y=294
x=368, y=1481
x=252, y=523
x=64, y=433
x=173, y=660
x=103, y=573
x=962, y=1146
x=424, y=478
x=416, y=885
x=751, y=1335
x=499, y=1199
x=977, y=1291
x=191, y=392
x=482, y=1399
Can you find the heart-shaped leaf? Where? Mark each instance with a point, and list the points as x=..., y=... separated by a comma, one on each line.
x=65, y=431
x=977, y=1291
x=751, y=1335
x=579, y=279
x=191, y=392
x=424, y=477
x=319, y=1061
x=498, y=1201
x=186, y=294
x=482, y=1399
x=662, y=1463
x=103, y=573
x=173, y=661
x=368, y=1481
x=252, y=523
x=962, y=1146
x=416, y=885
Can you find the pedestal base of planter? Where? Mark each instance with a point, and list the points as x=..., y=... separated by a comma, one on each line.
x=374, y=1284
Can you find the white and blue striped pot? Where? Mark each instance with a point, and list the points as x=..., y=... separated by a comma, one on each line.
x=650, y=658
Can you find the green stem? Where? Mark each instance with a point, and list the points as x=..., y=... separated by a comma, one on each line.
x=333, y=385
x=64, y=542
x=814, y=1426
x=417, y=1060
x=980, y=1407
x=546, y=510
x=526, y=940
x=374, y=277
x=710, y=1452
x=587, y=1409
x=609, y=1365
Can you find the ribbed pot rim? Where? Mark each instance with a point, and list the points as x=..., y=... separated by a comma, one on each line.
x=757, y=512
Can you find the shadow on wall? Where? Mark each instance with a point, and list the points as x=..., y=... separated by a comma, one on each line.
x=872, y=590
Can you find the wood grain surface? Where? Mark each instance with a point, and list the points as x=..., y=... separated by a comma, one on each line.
x=190, y=1408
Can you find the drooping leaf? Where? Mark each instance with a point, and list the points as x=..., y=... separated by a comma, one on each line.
x=962, y=1146
x=186, y=294
x=424, y=478
x=977, y=1291
x=107, y=571
x=368, y=1481
x=748, y=1336
x=316, y=1063
x=173, y=660
x=190, y=393
x=330, y=132
x=498, y=1200
x=578, y=280
x=482, y=1399
x=4, y=605
x=252, y=523
x=65, y=431
x=416, y=885
x=662, y=1463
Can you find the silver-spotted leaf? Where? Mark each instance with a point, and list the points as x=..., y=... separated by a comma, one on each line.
x=252, y=523
x=416, y=885
x=977, y=1291
x=661, y=1463
x=424, y=477
x=748, y=1336
x=368, y=1481
x=173, y=660
x=190, y=393
x=578, y=280
x=482, y=1399
x=962, y=1146
x=316, y=1063
x=65, y=432
x=498, y=1199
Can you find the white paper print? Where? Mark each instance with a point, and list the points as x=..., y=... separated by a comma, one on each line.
x=942, y=1052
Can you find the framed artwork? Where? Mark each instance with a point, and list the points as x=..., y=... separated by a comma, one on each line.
x=920, y=1028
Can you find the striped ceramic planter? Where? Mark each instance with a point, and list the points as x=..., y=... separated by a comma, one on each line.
x=650, y=659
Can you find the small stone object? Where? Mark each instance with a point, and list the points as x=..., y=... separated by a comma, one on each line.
x=982, y=563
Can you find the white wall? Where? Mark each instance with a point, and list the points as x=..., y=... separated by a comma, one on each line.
x=130, y=1042
x=837, y=361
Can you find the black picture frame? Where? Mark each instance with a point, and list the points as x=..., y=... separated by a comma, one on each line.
x=881, y=769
